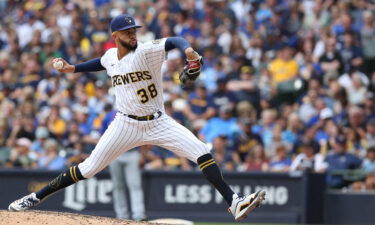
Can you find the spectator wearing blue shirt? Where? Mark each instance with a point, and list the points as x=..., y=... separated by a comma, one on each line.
x=345, y=24
x=222, y=96
x=369, y=106
x=211, y=76
x=108, y=117
x=222, y=154
x=81, y=114
x=51, y=159
x=340, y=160
x=41, y=134
x=368, y=164
x=351, y=54
x=370, y=132
x=191, y=28
x=225, y=124
x=210, y=57
x=201, y=105
x=324, y=124
x=265, y=127
x=281, y=162
x=245, y=141
x=177, y=115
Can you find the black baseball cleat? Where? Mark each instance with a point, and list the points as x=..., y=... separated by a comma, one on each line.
x=24, y=203
x=242, y=206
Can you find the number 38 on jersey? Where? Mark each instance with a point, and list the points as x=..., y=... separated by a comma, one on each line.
x=146, y=93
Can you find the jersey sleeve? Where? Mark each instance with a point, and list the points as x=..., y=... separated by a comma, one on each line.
x=106, y=58
x=154, y=52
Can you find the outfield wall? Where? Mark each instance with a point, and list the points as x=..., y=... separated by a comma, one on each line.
x=291, y=198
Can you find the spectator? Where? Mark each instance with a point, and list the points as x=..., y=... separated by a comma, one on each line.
x=368, y=164
x=222, y=154
x=51, y=159
x=224, y=124
x=246, y=111
x=56, y=125
x=331, y=61
x=369, y=105
x=191, y=28
x=245, y=141
x=200, y=104
x=175, y=114
x=21, y=127
x=257, y=160
x=281, y=161
x=340, y=160
x=275, y=140
x=222, y=96
x=356, y=143
x=4, y=150
x=293, y=130
x=324, y=128
x=150, y=159
x=345, y=24
x=254, y=52
x=245, y=88
x=41, y=134
x=357, y=90
x=370, y=132
x=266, y=125
x=27, y=127
x=318, y=17
x=309, y=160
x=351, y=54
x=367, y=42
x=284, y=69
x=19, y=155
x=356, y=121
x=368, y=167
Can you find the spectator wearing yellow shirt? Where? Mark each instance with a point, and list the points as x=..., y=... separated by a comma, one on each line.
x=284, y=68
x=56, y=125
x=284, y=76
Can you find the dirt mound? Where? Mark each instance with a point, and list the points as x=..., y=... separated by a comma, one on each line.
x=34, y=217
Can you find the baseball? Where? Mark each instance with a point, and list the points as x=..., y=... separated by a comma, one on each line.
x=58, y=65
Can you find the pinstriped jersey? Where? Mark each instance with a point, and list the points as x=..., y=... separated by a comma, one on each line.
x=136, y=78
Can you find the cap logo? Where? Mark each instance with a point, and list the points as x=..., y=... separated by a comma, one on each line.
x=128, y=20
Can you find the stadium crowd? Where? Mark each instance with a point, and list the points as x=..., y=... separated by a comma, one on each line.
x=287, y=85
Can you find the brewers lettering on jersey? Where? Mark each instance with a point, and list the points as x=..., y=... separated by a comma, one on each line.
x=135, y=71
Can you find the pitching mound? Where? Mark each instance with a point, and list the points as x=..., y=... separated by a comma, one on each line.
x=59, y=218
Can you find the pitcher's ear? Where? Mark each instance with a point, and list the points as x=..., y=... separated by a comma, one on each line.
x=114, y=35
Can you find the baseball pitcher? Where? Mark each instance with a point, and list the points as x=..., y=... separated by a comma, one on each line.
x=135, y=71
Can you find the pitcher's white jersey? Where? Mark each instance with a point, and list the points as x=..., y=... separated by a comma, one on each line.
x=136, y=78
x=137, y=83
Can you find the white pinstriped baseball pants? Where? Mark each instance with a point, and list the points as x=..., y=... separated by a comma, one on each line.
x=125, y=133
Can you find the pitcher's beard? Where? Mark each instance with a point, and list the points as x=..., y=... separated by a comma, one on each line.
x=128, y=46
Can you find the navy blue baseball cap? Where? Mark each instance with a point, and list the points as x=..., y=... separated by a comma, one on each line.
x=123, y=22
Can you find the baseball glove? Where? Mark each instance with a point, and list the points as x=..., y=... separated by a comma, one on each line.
x=191, y=71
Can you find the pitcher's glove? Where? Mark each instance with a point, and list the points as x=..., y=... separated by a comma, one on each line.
x=191, y=71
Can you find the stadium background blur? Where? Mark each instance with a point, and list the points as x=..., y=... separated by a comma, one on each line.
x=286, y=85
